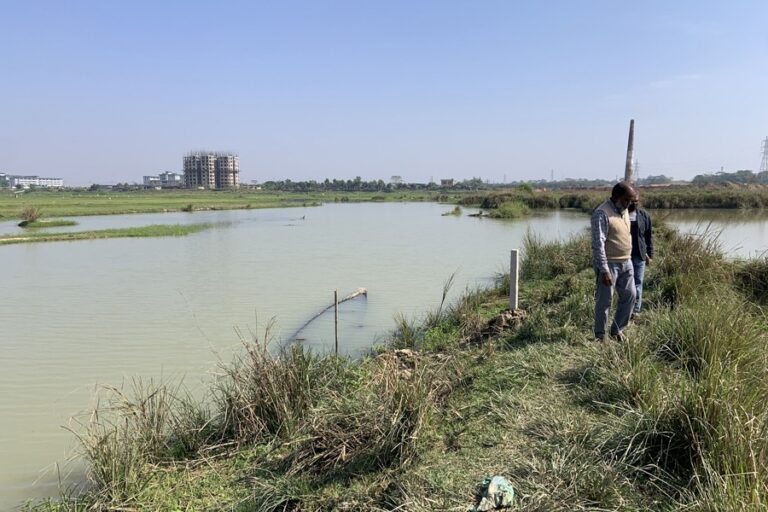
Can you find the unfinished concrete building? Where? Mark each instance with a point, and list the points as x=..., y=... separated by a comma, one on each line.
x=211, y=170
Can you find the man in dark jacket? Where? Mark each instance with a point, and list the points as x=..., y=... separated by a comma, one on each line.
x=642, y=247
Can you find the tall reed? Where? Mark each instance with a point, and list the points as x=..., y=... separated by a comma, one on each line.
x=690, y=386
x=145, y=424
x=264, y=396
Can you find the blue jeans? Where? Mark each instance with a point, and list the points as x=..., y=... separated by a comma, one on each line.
x=638, y=265
x=624, y=283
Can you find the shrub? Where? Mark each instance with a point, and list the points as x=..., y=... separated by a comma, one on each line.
x=374, y=428
x=752, y=279
x=30, y=213
x=705, y=334
x=545, y=260
x=264, y=396
x=691, y=264
x=456, y=211
x=583, y=202
x=510, y=210
x=148, y=424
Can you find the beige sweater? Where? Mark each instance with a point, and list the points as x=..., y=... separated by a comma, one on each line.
x=618, y=243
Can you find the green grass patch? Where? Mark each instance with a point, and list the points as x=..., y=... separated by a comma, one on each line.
x=752, y=278
x=76, y=203
x=53, y=223
x=158, y=230
x=510, y=210
x=457, y=211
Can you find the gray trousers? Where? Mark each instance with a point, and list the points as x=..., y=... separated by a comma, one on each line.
x=624, y=283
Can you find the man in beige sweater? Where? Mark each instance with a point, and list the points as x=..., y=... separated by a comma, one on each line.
x=612, y=260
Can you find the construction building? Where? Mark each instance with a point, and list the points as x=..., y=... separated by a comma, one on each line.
x=211, y=170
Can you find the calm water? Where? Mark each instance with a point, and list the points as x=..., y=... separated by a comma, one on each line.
x=77, y=315
x=741, y=233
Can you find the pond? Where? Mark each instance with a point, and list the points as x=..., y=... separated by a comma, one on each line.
x=740, y=233
x=79, y=315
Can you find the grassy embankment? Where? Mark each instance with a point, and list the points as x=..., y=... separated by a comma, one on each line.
x=158, y=230
x=71, y=203
x=66, y=203
x=730, y=197
x=674, y=419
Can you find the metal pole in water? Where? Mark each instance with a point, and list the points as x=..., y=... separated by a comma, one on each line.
x=514, y=283
x=336, y=319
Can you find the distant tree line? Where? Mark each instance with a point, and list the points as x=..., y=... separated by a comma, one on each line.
x=741, y=177
x=117, y=187
x=558, y=184
x=359, y=185
x=475, y=184
x=355, y=185
x=655, y=180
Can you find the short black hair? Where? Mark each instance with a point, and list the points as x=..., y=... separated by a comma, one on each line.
x=622, y=189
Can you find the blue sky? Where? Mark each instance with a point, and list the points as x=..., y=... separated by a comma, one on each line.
x=110, y=91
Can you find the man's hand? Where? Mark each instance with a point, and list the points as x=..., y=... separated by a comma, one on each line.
x=648, y=260
x=605, y=277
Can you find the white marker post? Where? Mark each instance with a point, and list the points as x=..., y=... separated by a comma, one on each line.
x=336, y=321
x=514, y=270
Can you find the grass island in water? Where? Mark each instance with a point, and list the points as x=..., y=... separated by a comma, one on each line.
x=45, y=223
x=157, y=230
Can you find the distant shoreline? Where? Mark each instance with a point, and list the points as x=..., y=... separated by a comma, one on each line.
x=71, y=203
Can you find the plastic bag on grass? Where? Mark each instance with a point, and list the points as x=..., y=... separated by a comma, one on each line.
x=493, y=494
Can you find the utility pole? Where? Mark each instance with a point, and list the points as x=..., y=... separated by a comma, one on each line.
x=630, y=152
x=637, y=171
x=764, y=163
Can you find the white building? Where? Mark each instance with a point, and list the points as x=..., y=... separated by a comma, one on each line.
x=36, y=181
x=164, y=180
x=151, y=181
x=171, y=179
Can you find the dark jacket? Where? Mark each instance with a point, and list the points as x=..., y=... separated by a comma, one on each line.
x=644, y=239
